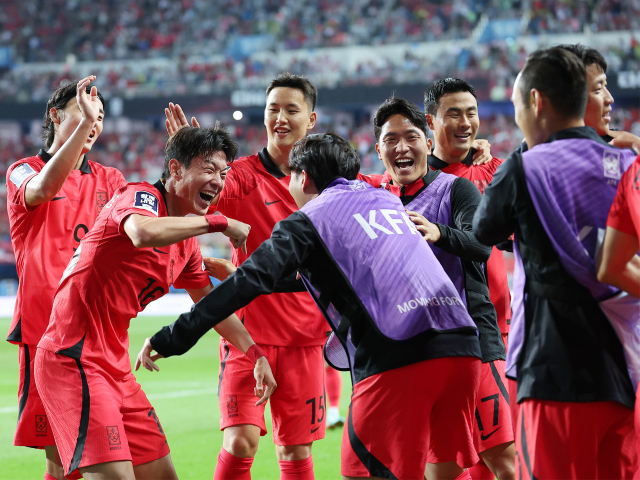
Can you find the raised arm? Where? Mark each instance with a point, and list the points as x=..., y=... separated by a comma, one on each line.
x=44, y=186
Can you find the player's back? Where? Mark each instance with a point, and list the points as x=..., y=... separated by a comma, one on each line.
x=45, y=236
x=256, y=192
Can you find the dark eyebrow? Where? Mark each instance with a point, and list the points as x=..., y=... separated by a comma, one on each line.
x=288, y=105
x=459, y=110
x=102, y=111
x=409, y=130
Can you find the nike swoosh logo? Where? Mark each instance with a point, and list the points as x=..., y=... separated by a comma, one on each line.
x=484, y=437
x=314, y=430
x=271, y=203
x=57, y=198
x=159, y=251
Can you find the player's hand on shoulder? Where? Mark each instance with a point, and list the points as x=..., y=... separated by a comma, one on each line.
x=146, y=359
x=219, y=267
x=176, y=119
x=237, y=233
x=88, y=103
x=429, y=231
x=625, y=140
x=483, y=153
x=265, y=381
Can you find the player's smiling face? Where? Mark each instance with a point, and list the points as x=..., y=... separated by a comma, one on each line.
x=599, y=101
x=198, y=185
x=455, y=124
x=69, y=117
x=287, y=117
x=403, y=149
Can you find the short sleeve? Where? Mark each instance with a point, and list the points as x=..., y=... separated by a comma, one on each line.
x=140, y=200
x=194, y=275
x=620, y=216
x=17, y=179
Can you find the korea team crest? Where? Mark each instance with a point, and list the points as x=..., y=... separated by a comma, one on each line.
x=232, y=405
x=101, y=200
x=113, y=434
x=41, y=425
x=611, y=165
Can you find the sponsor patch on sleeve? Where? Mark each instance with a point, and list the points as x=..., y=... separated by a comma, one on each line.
x=20, y=173
x=146, y=201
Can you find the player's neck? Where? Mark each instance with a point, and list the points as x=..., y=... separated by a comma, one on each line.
x=173, y=201
x=280, y=157
x=450, y=157
x=54, y=149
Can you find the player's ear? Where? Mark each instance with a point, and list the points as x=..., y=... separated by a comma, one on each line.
x=378, y=150
x=312, y=120
x=175, y=169
x=429, y=118
x=308, y=185
x=536, y=100
x=429, y=145
x=56, y=115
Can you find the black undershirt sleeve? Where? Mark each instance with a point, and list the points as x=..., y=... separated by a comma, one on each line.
x=292, y=241
x=495, y=219
x=460, y=241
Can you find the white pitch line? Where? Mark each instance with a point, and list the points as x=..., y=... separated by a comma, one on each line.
x=151, y=396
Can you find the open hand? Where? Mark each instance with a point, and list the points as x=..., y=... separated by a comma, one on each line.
x=89, y=103
x=219, y=267
x=265, y=383
x=429, y=231
x=146, y=359
x=176, y=119
x=483, y=154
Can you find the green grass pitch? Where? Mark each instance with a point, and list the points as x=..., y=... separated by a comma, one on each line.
x=184, y=396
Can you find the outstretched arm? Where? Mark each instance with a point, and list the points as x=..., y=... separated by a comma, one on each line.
x=163, y=231
x=618, y=262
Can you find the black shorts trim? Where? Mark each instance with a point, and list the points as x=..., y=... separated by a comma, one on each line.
x=525, y=449
x=16, y=333
x=375, y=467
x=27, y=381
x=84, y=422
x=223, y=364
x=496, y=377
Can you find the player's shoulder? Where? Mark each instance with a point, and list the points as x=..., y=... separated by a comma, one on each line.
x=98, y=167
x=23, y=168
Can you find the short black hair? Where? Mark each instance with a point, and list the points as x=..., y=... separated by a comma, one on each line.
x=561, y=76
x=588, y=55
x=325, y=157
x=59, y=99
x=399, y=106
x=298, y=82
x=437, y=89
x=191, y=142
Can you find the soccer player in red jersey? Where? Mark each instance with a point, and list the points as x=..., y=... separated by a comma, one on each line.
x=140, y=245
x=451, y=109
x=286, y=324
x=619, y=262
x=53, y=200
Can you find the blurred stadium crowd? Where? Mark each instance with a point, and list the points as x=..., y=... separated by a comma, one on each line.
x=158, y=48
x=48, y=30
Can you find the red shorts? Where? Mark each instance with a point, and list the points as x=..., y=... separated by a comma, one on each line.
x=33, y=429
x=567, y=440
x=402, y=419
x=298, y=405
x=493, y=414
x=95, y=418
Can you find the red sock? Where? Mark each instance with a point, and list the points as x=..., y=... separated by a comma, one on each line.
x=232, y=468
x=296, y=469
x=333, y=382
x=481, y=472
x=464, y=476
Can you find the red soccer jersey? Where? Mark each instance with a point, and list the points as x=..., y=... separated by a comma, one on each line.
x=625, y=211
x=109, y=281
x=44, y=237
x=257, y=192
